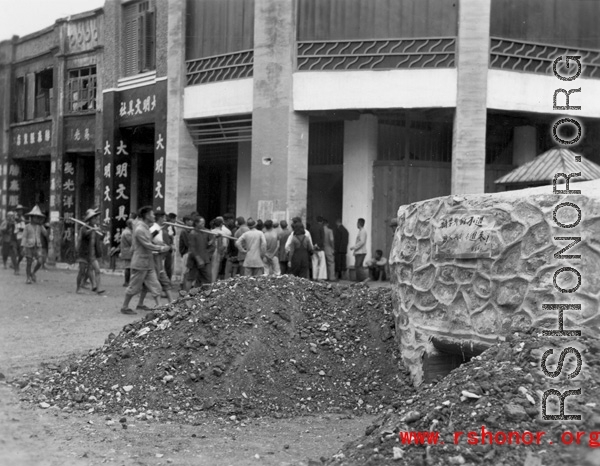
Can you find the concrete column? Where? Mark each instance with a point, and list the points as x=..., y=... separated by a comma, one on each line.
x=360, y=151
x=279, y=156
x=6, y=52
x=182, y=156
x=468, y=138
x=244, y=164
x=181, y=161
x=524, y=144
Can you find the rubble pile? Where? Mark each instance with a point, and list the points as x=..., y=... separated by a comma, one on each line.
x=502, y=390
x=244, y=347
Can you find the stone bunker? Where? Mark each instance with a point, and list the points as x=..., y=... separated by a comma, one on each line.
x=469, y=270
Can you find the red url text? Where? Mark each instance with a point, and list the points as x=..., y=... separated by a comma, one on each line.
x=488, y=437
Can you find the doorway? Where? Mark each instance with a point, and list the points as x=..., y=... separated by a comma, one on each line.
x=85, y=172
x=35, y=183
x=217, y=179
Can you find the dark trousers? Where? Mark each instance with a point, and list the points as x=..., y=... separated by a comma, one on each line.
x=340, y=264
x=127, y=275
x=169, y=264
x=377, y=272
x=9, y=249
x=283, y=267
x=359, y=260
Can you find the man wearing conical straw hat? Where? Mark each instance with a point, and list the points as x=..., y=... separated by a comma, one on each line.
x=32, y=242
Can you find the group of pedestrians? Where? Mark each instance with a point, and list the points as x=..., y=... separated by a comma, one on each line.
x=24, y=236
x=228, y=247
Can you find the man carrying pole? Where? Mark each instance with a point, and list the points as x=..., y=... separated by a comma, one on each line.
x=143, y=271
x=89, y=251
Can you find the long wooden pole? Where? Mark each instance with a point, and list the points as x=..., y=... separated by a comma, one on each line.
x=185, y=227
x=97, y=230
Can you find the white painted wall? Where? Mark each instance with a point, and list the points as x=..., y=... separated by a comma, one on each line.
x=360, y=151
x=510, y=90
x=215, y=99
x=332, y=90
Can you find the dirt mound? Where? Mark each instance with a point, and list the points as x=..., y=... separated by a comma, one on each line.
x=502, y=390
x=243, y=347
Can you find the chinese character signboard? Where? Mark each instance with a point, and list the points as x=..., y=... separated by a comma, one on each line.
x=121, y=187
x=137, y=106
x=31, y=140
x=80, y=133
x=159, y=172
x=68, y=186
x=465, y=236
x=13, y=181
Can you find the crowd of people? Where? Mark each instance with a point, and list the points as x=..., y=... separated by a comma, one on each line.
x=25, y=236
x=227, y=247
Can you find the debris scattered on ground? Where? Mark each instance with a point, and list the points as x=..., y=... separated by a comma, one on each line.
x=278, y=346
x=502, y=390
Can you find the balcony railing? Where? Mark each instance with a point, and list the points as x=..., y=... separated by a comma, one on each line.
x=224, y=67
x=432, y=52
x=533, y=57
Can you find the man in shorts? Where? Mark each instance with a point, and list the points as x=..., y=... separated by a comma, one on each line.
x=32, y=243
x=143, y=271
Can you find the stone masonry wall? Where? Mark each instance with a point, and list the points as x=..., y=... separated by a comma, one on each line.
x=474, y=268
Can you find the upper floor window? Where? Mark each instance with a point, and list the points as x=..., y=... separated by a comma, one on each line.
x=139, y=38
x=43, y=93
x=34, y=94
x=81, y=89
x=21, y=99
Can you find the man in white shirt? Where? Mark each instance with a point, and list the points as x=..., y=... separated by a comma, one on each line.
x=360, y=250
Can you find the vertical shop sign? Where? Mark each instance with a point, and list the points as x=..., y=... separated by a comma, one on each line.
x=159, y=173
x=68, y=187
x=13, y=181
x=121, y=187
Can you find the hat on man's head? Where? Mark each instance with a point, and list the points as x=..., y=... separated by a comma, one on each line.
x=251, y=223
x=19, y=207
x=35, y=212
x=90, y=214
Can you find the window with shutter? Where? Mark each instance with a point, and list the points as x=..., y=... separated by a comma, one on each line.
x=139, y=47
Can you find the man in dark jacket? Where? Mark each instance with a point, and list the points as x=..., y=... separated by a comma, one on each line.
x=340, y=240
x=202, y=246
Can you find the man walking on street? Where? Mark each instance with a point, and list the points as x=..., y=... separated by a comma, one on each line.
x=19, y=230
x=90, y=250
x=32, y=243
x=360, y=250
x=254, y=247
x=9, y=241
x=143, y=271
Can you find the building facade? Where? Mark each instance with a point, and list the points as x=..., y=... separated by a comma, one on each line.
x=273, y=109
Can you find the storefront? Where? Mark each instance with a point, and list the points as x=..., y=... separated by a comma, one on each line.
x=133, y=153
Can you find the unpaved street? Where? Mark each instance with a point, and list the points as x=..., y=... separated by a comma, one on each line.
x=47, y=322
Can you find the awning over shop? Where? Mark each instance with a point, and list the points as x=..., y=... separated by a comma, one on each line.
x=545, y=166
x=216, y=130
